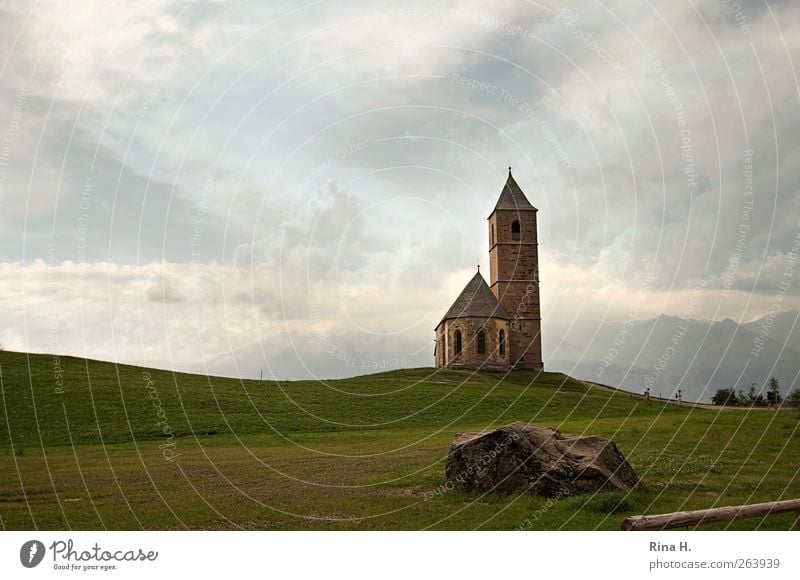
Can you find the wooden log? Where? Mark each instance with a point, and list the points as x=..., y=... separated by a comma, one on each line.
x=708, y=516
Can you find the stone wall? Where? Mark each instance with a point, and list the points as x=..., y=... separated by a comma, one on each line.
x=470, y=357
x=514, y=271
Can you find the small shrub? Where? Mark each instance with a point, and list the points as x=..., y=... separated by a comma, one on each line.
x=793, y=399
x=726, y=397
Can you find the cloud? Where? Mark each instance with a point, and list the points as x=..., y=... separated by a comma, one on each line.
x=164, y=290
x=328, y=168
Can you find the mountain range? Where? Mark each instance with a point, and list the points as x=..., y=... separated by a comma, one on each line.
x=666, y=353
x=669, y=353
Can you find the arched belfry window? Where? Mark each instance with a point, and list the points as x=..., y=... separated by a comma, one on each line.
x=481, y=342
x=491, y=236
x=457, y=342
x=502, y=342
x=516, y=231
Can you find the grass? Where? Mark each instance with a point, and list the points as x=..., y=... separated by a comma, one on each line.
x=92, y=445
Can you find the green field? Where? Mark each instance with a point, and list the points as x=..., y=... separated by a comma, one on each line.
x=94, y=445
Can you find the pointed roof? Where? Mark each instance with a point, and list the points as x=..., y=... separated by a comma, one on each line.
x=476, y=299
x=512, y=197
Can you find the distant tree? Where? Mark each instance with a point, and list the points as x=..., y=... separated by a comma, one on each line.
x=793, y=399
x=725, y=397
x=751, y=398
x=746, y=398
x=774, y=387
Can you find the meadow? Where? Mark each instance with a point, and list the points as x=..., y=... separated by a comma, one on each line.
x=94, y=445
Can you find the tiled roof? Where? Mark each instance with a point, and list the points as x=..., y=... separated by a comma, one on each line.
x=512, y=197
x=476, y=299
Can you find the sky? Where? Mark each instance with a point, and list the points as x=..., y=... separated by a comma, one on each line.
x=302, y=187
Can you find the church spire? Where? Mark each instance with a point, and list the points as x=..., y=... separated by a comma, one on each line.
x=512, y=197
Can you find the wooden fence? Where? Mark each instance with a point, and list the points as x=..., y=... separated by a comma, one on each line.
x=722, y=514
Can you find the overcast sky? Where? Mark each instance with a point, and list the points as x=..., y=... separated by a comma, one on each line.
x=180, y=181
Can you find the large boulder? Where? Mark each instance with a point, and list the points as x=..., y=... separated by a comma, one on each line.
x=536, y=460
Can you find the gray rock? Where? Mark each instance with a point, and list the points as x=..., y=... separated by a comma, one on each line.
x=536, y=460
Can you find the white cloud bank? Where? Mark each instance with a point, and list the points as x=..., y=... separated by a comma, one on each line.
x=307, y=184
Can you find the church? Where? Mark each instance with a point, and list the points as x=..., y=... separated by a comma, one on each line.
x=497, y=326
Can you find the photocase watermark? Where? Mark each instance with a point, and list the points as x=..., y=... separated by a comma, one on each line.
x=476, y=84
x=383, y=364
x=784, y=286
x=172, y=65
x=622, y=334
x=486, y=21
x=523, y=108
x=330, y=346
x=670, y=351
x=311, y=181
x=527, y=523
x=687, y=153
x=473, y=469
x=31, y=553
x=199, y=219
x=729, y=275
x=95, y=558
x=569, y=18
x=525, y=301
x=195, y=241
x=7, y=146
x=51, y=285
x=67, y=556
x=566, y=17
x=58, y=375
x=167, y=448
x=84, y=205
x=53, y=327
x=736, y=9
x=312, y=202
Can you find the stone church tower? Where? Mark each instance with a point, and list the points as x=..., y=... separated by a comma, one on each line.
x=514, y=272
x=498, y=326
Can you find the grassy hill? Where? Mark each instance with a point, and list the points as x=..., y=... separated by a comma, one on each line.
x=88, y=444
